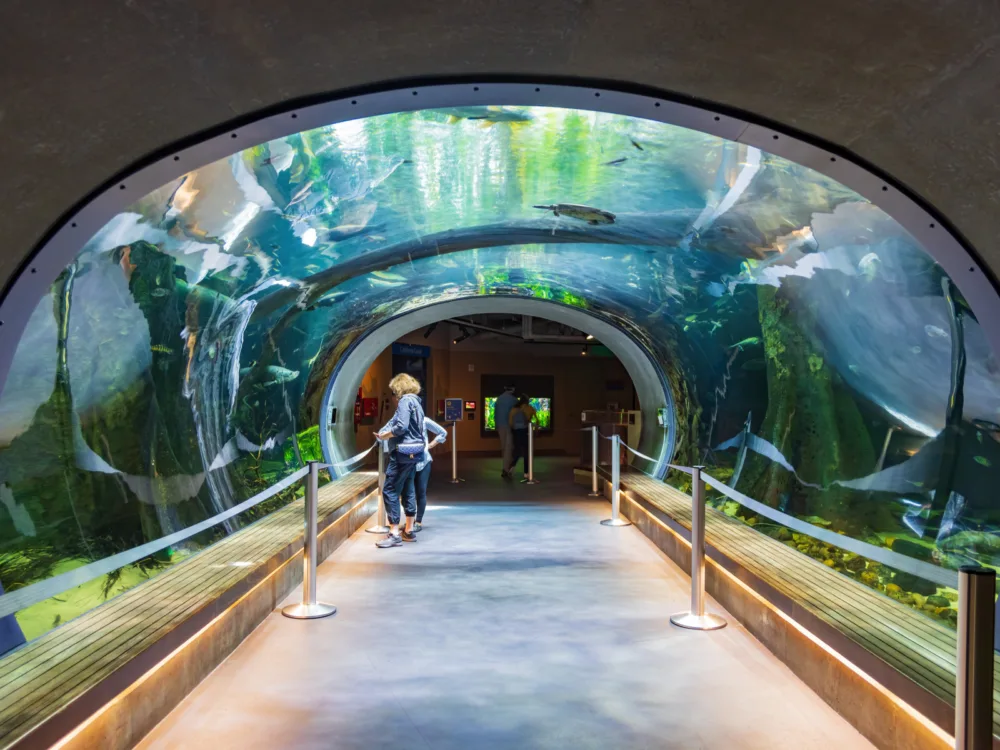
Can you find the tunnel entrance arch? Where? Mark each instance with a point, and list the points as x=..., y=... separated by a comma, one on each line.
x=812, y=298
x=652, y=389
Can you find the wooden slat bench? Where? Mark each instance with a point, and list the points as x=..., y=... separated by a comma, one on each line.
x=52, y=684
x=911, y=655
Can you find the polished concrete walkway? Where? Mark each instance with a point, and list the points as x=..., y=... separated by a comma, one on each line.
x=516, y=621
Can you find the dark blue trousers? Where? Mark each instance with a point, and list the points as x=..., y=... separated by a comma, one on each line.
x=399, y=476
x=423, y=477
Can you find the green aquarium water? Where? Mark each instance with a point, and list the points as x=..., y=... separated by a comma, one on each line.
x=816, y=356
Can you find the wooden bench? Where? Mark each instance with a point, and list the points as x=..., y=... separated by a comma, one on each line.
x=54, y=683
x=909, y=654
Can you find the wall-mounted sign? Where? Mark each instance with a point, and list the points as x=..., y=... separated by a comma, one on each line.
x=411, y=350
x=453, y=410
x=369, y=407
x=470, y=405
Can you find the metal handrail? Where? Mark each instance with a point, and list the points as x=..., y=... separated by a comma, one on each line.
x=940, y=576
x=14, y=601
x=976, y=605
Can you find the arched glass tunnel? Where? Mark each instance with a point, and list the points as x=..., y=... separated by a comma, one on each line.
x=800, y=341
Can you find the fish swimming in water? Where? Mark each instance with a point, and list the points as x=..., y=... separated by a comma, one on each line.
x=384, y=282
x=486, y=115
x=161, y=349
x=276, y=374
x=935, y=332
x=387, y=276
x=868, y=266
x=751, y=341
x=588, y=214
x=615, y=162
x=636, y=143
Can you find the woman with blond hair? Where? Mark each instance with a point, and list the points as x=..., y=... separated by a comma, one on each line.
x=406, y=430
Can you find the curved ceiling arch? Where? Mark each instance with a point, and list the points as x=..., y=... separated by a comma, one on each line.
x=647, y=377
x=799, y=306
x=925, y=227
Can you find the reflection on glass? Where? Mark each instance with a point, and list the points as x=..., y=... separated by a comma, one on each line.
x=819, y=360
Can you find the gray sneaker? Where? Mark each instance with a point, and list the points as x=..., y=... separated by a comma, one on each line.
x=392, y=540
x=407, y=536
x=417, y=526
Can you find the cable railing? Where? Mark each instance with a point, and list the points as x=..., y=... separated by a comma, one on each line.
x=976, y=587
x=14, y=601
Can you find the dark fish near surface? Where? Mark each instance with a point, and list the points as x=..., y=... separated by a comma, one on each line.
x=583, y=213
x=487, y=115
x=636, y=144
x=616, y=161
x=346, y=231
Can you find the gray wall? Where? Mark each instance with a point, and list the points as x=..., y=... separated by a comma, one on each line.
x=86, y=88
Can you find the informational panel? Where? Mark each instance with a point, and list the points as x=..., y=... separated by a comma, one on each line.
x=453, y=410
x=413, y=360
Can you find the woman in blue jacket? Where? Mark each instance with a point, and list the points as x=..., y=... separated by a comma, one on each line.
x=406, y=429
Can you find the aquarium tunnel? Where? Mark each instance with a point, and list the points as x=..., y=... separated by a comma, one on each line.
x=814, y=337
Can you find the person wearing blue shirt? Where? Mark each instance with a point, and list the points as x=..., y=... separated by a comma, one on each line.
x=424, y=468
x=410, y=443
x=501, y=417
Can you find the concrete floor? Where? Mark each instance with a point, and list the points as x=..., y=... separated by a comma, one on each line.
x=509, y=624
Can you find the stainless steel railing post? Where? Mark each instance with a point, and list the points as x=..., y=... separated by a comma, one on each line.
x=616, y=518
x=381, y=522
x=454, y=454
x=531, y=454
x=310, y=609
x=974, y=689
x=696, y=619
x=593, y=463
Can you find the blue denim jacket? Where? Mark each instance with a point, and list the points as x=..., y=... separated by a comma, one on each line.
x=407, y=424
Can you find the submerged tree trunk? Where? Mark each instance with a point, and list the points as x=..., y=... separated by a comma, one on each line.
x=813, y=420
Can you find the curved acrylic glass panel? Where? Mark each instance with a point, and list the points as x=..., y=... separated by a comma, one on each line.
x=817, y=357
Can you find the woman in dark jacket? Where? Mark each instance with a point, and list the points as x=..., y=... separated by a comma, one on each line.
x=406, y=428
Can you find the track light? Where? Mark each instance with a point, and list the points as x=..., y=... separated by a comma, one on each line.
x=583, y=351
x=590, y=337
x=430, y=330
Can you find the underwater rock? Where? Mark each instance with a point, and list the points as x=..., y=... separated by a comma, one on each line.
x=783, y=534
x=854, y=563
x=938, y=601
x=911, y=549
x=915, y=584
